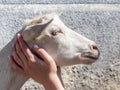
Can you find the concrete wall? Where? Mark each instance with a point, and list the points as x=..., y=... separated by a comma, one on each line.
x=98, y=22
x=60, y=1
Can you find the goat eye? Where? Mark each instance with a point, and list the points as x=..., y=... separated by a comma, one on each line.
x=54, y=33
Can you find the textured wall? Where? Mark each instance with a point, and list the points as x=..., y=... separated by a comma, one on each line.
x=100, y=23
x=59, y=1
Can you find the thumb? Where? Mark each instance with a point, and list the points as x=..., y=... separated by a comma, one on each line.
x=43, y=54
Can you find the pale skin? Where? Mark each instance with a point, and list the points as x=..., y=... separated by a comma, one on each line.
x=43, y=71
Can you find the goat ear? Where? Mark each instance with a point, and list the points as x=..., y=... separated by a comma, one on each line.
x=32, y=31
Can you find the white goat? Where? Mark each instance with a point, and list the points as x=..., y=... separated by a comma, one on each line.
x=64, y=45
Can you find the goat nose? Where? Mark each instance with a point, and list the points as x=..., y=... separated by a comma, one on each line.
x=94, y=47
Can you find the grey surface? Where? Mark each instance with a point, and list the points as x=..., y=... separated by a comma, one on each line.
x=100, y=23
x=60, y=1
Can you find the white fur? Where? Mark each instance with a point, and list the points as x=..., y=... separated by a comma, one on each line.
x=66, y=47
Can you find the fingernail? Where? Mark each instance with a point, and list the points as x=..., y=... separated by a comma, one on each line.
x=36, y=46
x=9, y=57
x=18, y=35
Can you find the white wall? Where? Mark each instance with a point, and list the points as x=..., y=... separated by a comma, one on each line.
x=100, y=23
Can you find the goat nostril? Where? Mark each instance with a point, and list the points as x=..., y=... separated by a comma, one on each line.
x=94, y=47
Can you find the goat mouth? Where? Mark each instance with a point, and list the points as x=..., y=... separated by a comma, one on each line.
x=91, y=55
x=89, y=59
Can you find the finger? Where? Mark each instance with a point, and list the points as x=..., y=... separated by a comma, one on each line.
x=44, y=55
x=15, y=66
x=24, y=47
x=17, y=59
x=28, y=54
x=20, y=53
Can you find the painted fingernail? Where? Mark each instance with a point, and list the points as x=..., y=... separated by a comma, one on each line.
x=36, y=46
x=9, y=57
x=18, y=35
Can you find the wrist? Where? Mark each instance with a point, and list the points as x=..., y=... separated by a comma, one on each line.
x=53, y=83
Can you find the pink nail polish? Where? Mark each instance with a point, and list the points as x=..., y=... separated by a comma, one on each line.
x=18, y=35
x=9, y=57
x=36, y=46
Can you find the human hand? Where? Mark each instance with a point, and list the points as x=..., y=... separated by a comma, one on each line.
x=45, y=72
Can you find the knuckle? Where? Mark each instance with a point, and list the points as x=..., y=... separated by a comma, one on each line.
x=17, y=48
x=51, y=61
x=14, y=55
x=28, y=52
x=32, y=59
x=41, y=50
x=17, y=51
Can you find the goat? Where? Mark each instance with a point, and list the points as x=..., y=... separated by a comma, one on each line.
x=64, y=45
